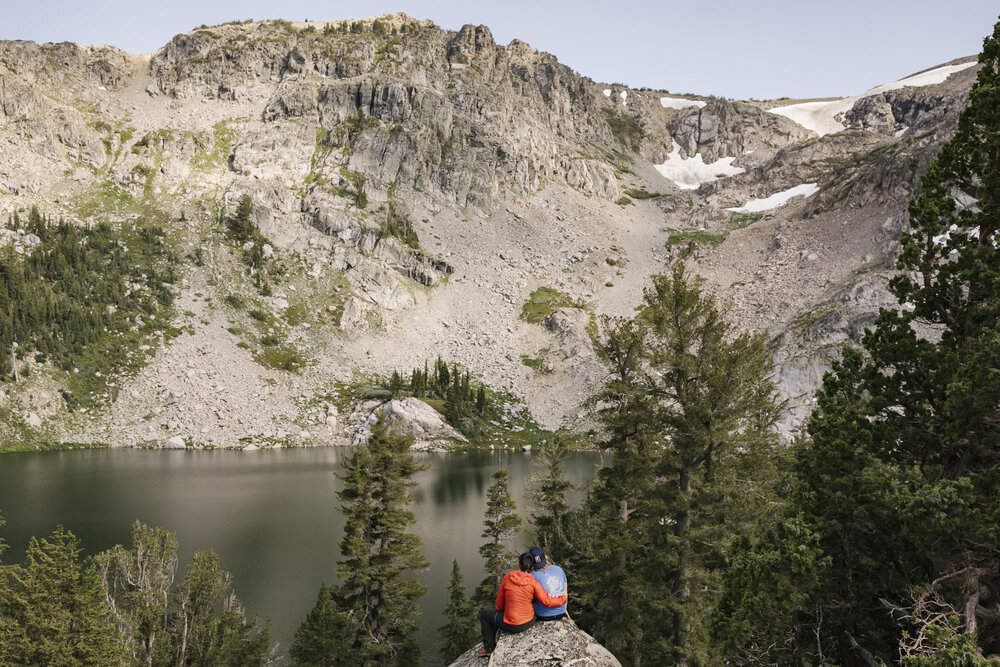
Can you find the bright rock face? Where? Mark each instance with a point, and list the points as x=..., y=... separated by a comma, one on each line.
x=417, y=186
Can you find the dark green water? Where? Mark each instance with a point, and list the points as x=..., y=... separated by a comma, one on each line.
x=271, y=515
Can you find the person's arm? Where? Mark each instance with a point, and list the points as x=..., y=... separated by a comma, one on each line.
x=500, y=593
x=543, y=596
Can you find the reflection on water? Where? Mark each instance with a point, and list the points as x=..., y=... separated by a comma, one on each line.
x=271, y=515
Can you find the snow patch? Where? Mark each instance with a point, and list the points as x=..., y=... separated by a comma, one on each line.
x=822, y=117
x=942, y=239
x=688, y=174
x=901, y=132
x=805, y=190
x=679, y=103
x=624, y=96
x=607, y=92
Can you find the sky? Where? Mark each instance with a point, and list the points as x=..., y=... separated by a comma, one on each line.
x=739, y=49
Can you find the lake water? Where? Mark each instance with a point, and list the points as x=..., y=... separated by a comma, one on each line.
x=271, y=515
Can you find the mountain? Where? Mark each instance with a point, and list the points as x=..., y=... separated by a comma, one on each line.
x=420, y=193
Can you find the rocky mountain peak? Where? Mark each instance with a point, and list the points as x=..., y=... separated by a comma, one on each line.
x=425, y=189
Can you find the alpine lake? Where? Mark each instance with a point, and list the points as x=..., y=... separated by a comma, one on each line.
x=272, y=515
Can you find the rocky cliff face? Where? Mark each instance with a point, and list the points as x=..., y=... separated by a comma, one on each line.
x=417, y=186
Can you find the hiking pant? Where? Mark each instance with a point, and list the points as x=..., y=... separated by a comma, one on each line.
x=491, y=620
x=557, y=617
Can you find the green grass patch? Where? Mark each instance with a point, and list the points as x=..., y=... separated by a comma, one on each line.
x=223, y=137
x=626, y=128
x=544, y=301
x=281, y=357
x=696, y=238
x=643, y=193
x=536, y=363
x=743, y=220
x=814, y=316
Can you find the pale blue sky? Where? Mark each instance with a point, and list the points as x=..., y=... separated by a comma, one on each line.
x=735, y=48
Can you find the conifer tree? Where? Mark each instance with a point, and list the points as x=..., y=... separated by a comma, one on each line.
x=137, y=583
x=203, y=638
x=325, y=638
x=716, y=404
x=688, y=410
x=899, y=476
x=481, y=401
x=500, y=522
x=611, y=530
x=52, y=610
x=549, y=499
x=458, y=634
x=378, y=592
x=240, y=224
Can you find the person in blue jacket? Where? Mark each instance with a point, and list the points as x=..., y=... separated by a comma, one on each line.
x=553, y=580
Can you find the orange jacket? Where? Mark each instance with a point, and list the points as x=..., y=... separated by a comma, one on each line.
x=517, y=590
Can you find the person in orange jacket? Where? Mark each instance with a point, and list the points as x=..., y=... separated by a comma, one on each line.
x=514, y=612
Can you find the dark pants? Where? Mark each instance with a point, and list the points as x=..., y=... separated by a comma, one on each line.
x=557, y=617
x=491, y=620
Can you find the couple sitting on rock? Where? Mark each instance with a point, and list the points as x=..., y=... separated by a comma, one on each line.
x=536, y=591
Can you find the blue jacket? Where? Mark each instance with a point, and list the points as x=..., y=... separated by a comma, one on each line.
x=553, y=580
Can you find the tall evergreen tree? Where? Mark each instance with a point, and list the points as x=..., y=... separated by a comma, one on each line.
x=325, y=638
x=458, y=634
x=611, y=528
x=689, y=409
x=52, y=610
x=202, y=637
x=240, y=224
x=378, y=592
x=500, y=522
x=137, y=583
x=548, y=495
x=899, y=476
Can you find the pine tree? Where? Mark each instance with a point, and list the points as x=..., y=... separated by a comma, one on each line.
x=378, y=592
x=716, y=404
x=610, y=528
x=53, y=610
x=481, y=401
x=688, y=409
x=549, y=498
x=458, y=634
x=203, y=638
x=899, y=474
x=240, y=224
x=325, y=638
x=500, y=522
x=764, y=615
x=138, y=583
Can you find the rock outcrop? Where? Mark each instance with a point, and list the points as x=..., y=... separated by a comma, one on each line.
x=417, y=184
x=407, y=416
x=543, y=645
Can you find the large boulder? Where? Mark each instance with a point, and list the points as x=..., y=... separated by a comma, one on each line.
x=545, y=644
x=408, y=416
x=176, y=442
x=411, y=416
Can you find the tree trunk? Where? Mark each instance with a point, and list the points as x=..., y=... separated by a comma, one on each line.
x=680, y=583
x=972, y=587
